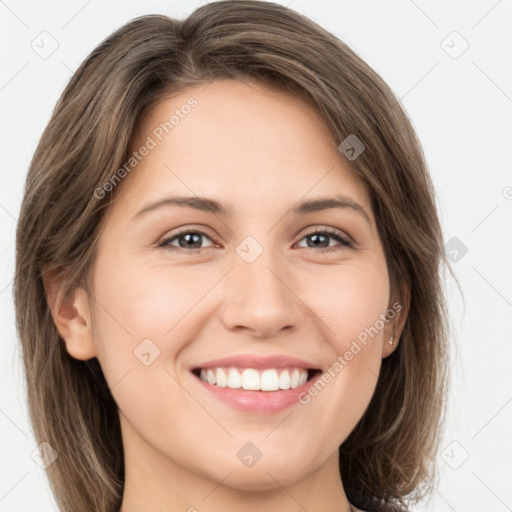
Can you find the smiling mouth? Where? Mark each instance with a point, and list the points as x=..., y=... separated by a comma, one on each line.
x=251, y=379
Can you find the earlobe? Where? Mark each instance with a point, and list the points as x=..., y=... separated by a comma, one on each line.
x=394, y=331
x=71, y=315
x=389, y=346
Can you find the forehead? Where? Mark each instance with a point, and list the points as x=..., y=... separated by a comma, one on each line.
x=249, y=142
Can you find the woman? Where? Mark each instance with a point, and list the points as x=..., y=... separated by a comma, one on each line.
x=189, y=343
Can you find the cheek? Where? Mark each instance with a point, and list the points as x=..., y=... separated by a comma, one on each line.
x=351, y=309
x=138, y=312
x=148, y=301
x=349, y=301
x=144, y=317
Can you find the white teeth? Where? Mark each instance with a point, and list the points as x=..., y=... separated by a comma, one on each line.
x=222, y=378
x=250, y=379
x=294, y=381
x=284, y=380
x=234, y=379
x=271, y=379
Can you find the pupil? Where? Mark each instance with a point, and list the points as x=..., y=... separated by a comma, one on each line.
x=316, y=237
x=189, y=238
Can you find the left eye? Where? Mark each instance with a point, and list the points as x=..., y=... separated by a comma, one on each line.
x=324, y=234
x=190, y=241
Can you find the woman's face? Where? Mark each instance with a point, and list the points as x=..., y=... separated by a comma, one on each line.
x=237, y=271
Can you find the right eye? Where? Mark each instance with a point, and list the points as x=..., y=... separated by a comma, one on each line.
x=185, y=239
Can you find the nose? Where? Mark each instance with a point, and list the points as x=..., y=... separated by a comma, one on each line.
x=260, y=298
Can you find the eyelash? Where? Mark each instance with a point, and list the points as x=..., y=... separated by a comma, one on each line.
x=344, y=242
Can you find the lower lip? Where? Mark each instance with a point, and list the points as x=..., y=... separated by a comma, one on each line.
x=263, y=402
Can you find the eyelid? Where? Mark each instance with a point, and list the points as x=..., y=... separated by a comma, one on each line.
x=326, y=229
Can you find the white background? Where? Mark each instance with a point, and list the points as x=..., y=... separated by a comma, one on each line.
x=462, y=110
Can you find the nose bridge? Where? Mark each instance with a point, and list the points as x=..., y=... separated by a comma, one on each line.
x=259, y=295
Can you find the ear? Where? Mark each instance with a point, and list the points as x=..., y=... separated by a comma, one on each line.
x=71, y=315
x=398, y=310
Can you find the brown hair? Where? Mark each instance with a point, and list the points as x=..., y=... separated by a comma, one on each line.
x=389, y=456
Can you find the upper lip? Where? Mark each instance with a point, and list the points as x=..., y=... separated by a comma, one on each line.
x=252, y=361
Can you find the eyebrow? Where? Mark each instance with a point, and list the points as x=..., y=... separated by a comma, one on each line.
x=210, y=205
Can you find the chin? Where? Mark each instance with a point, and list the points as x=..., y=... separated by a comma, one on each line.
x=268, y=473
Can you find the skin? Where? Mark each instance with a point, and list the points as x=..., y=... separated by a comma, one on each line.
x=260, y=150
